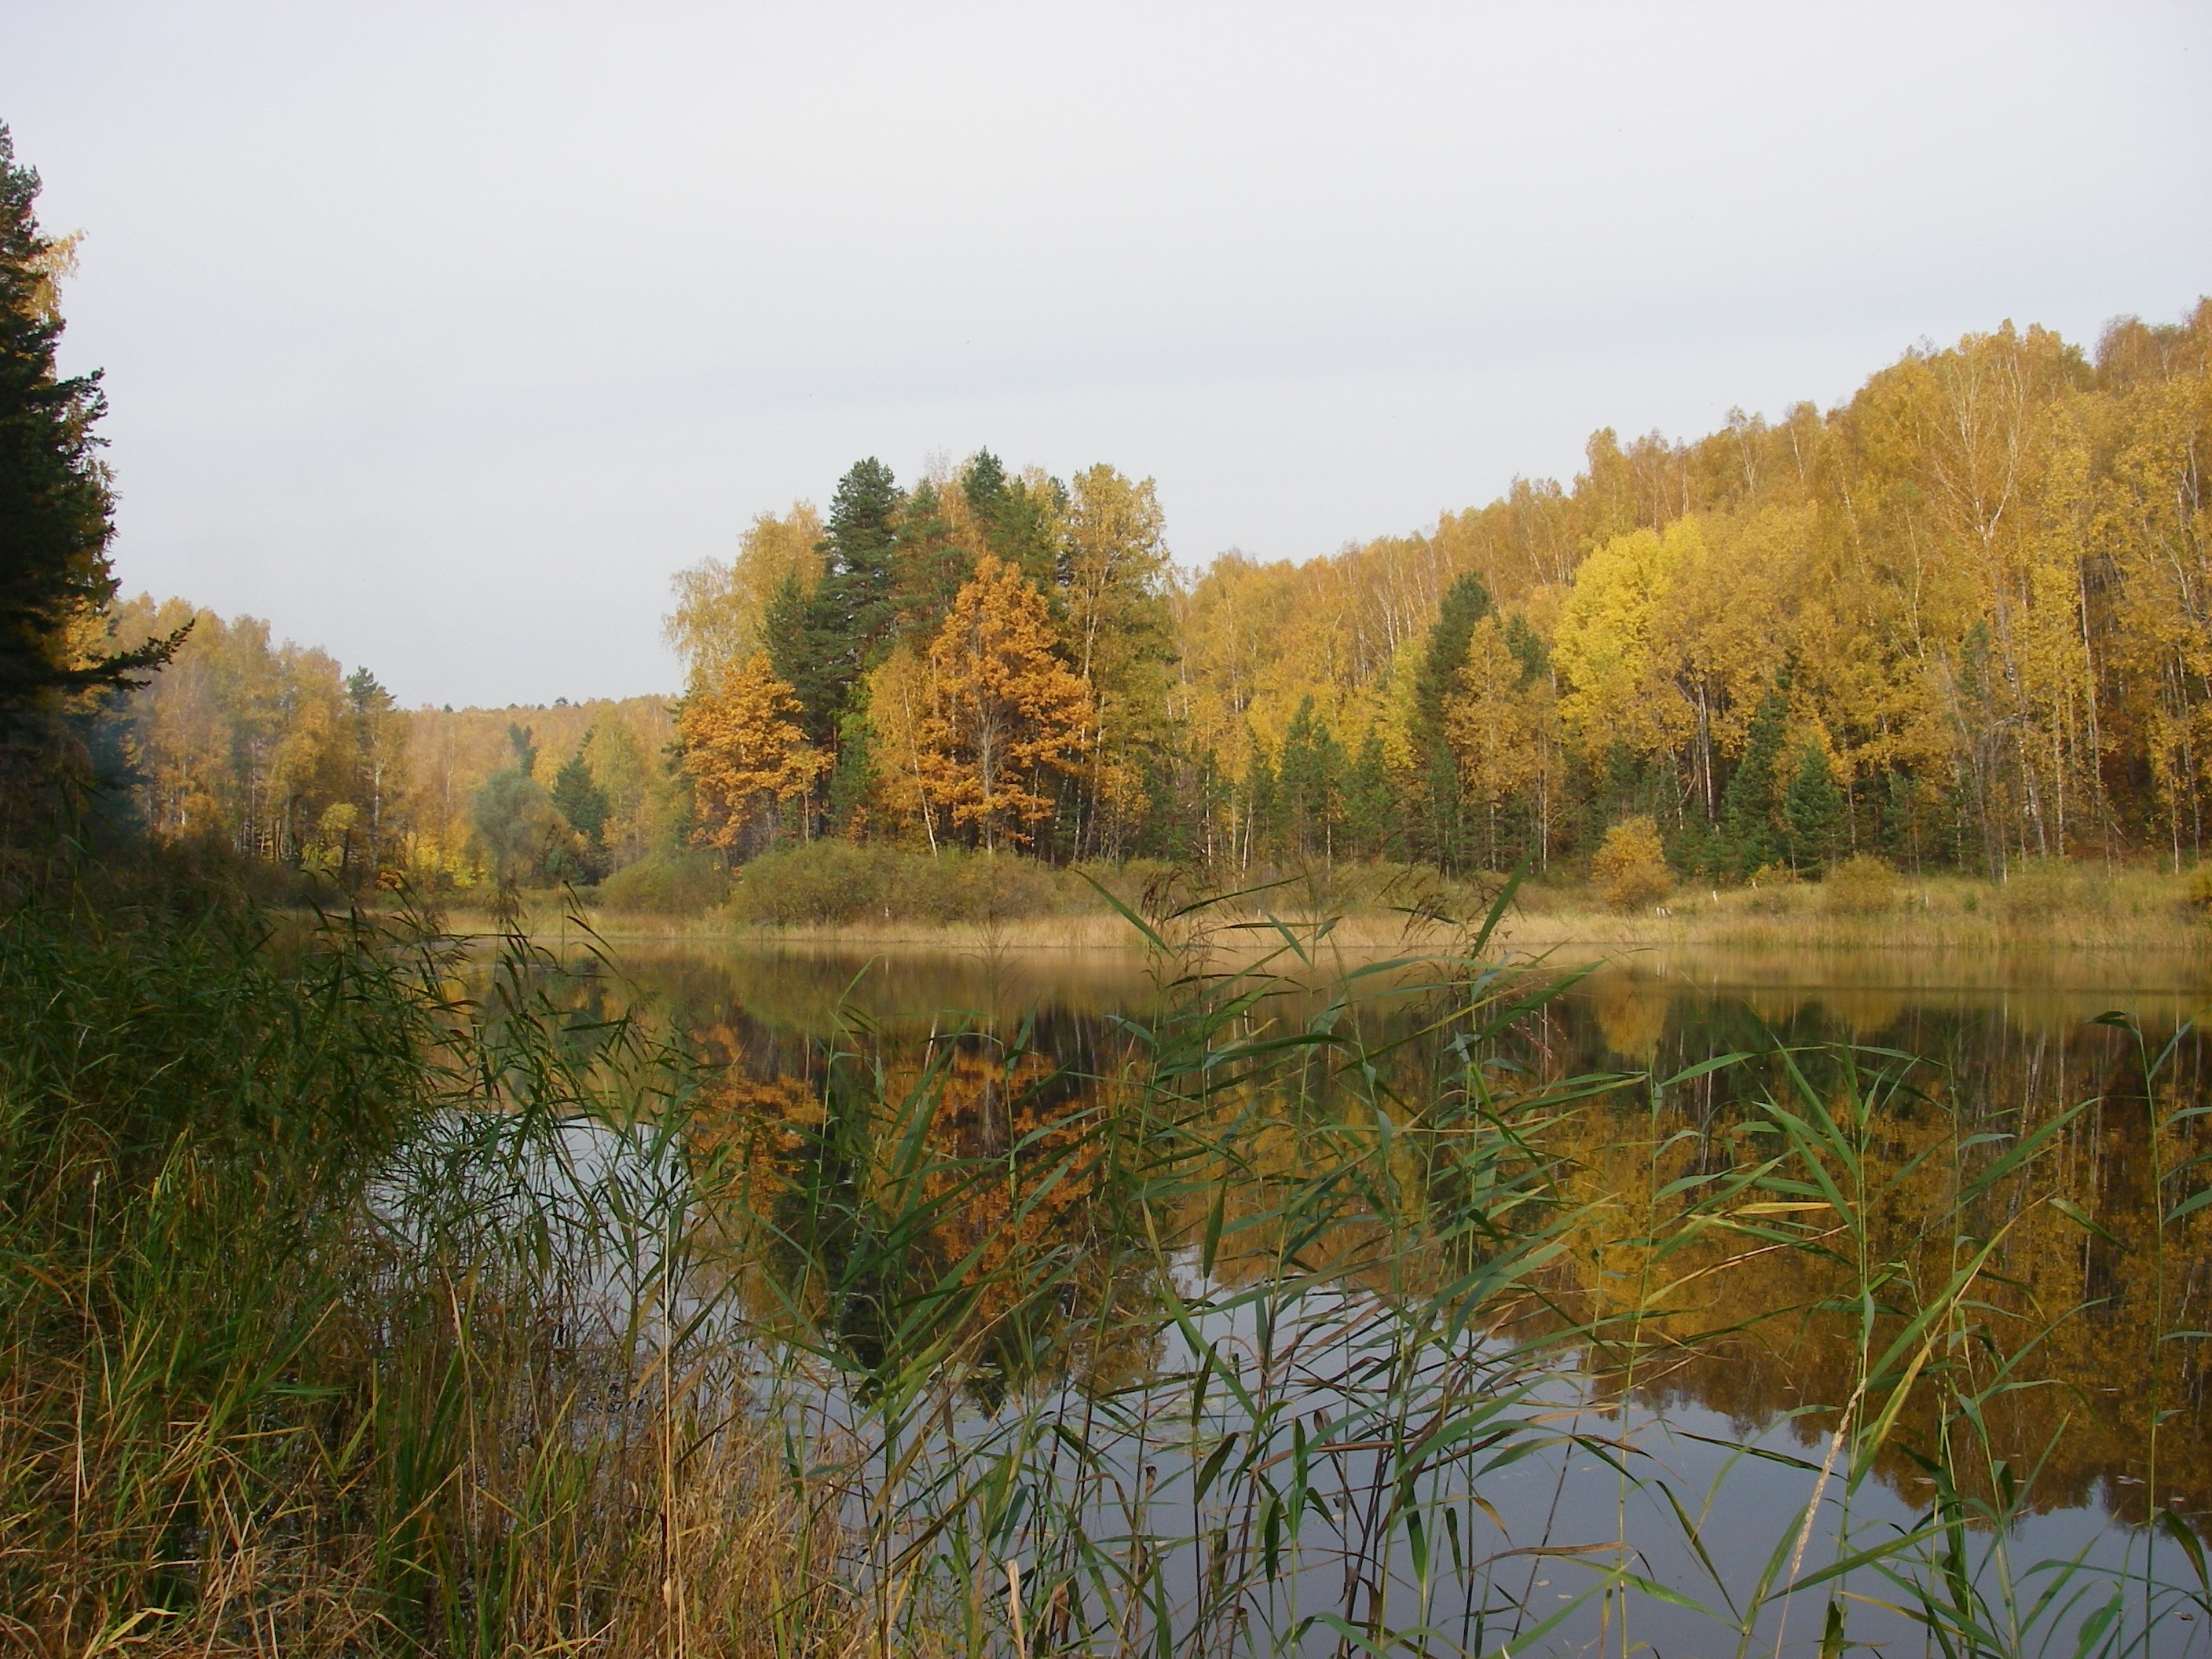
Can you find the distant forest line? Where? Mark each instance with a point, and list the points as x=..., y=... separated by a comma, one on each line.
x=1961, y=620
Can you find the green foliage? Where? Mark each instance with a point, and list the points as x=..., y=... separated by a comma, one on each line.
x=668, y=882
x=1312, y=785
x=583, y=804
x=521, y=740
x=1371, y=826
x=1019, y=522
x=854, y=602
x=1812, y=811
x=56, y=512
x=831, y=882
x=525, y=841
x=1747, y=805
x=929, y=565
x=1466, y=603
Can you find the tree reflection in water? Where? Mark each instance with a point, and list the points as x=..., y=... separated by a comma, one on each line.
x=1907, y=1236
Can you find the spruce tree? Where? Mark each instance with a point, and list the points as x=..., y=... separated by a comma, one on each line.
x=1747, y=838
x=803, y=649
x=1812, y=809
x=1311, y=783
x=580, y=799
x=1298, y=780
x=56, y=512
x=1262, y=809
x=1368, y=804
x=1466, y=603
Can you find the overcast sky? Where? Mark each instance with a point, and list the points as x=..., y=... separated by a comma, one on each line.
x=440, y=337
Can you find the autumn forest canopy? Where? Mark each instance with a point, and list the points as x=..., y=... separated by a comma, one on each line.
x=1958, y=621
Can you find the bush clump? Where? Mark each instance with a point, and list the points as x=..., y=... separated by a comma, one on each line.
x=667, y=883
x=2200, y=889
x=1631, y=866
x=1860, y=886
x=826, y=882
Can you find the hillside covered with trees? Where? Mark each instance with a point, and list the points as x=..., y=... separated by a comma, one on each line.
x=1958, y=621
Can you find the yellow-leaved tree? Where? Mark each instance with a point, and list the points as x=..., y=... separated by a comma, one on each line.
x=1605, y=648
x=1004, y=710
x=747, y=758
x=720, y=609
x=1494, y=724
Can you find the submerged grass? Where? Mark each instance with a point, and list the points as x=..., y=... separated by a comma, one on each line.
x=363, y=1297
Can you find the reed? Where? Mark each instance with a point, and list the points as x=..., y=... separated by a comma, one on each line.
x=368, y=1294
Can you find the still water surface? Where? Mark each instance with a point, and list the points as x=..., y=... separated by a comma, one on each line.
x=1684, y=1454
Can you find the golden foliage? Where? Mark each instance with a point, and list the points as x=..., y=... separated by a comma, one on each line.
x=744, y=753
x=1004, y=710
x=1631, y=866
x=720, y=607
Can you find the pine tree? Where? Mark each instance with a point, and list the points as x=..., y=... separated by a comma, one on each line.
x=855, y=595
x=821, y=641
x=1812, y=809
x=1018, y=523
x=1747, y=838
x=56, y=512
x=929, y=567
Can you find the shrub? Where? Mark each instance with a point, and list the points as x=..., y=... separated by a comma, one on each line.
x=667, y=883
x=825, y=883
x=2035, y=889
x=2200, y=888
x=1631, y=866
x=1860, y=886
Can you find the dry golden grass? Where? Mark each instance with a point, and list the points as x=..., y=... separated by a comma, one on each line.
x=2052, y=908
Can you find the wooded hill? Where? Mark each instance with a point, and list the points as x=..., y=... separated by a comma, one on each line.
x=1958, y=620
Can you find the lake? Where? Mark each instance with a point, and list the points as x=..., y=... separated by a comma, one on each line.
x=1339, y=1303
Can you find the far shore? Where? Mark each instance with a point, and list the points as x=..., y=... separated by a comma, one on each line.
x=2091, y=913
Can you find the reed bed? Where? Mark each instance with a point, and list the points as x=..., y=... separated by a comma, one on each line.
x=364, y=1297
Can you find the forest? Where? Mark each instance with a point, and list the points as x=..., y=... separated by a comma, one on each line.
x=1959, y=621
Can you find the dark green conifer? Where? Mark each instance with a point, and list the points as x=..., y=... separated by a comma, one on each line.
x=1263, y=830
x=1812, y=811
x=1370, y=811
x=929, y=567
x=803, y=649
x=1311, y=783
x=854, y=599
x=56, y=513
x=1466, y=603
x=1747, y=838
x=580, y=799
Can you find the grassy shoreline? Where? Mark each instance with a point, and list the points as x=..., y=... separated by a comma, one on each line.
x=2048, y=912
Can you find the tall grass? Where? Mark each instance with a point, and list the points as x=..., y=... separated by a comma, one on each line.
x=367, y=1294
